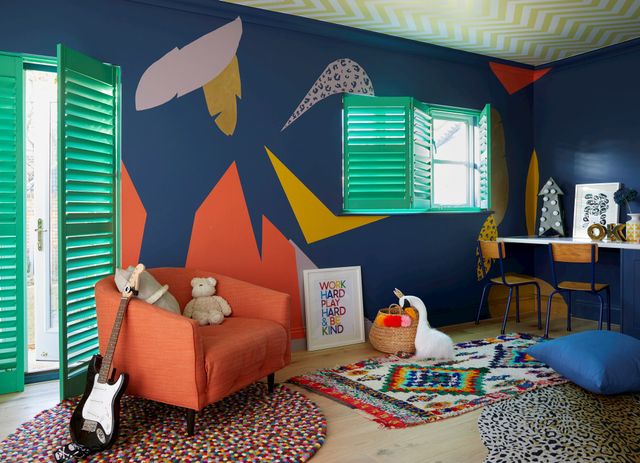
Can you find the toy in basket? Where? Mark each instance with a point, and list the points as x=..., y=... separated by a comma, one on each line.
x=394, y=330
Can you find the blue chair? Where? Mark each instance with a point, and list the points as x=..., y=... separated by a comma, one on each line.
x=496, y=250
x=577, y=254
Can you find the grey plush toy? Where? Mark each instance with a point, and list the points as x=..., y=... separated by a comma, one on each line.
x=149, y=290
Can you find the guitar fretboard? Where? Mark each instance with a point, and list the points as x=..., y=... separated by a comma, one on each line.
x=105, y=368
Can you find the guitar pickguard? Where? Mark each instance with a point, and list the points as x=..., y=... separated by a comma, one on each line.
x=99, y=404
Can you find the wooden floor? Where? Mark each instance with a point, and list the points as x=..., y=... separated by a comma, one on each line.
x=351, y=438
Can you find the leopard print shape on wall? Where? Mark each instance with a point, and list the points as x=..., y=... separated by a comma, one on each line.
x=562, y=424
x=340, y=76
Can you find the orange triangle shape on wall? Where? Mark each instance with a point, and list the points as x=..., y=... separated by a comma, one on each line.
x=514, y=78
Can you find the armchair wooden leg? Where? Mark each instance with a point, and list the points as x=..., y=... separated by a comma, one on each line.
x=191, y=422
x=271, y=382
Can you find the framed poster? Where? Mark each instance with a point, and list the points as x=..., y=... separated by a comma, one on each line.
x=334, y=313
x=594, y=204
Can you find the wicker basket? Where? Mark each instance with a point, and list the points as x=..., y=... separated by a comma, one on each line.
x=393, y=340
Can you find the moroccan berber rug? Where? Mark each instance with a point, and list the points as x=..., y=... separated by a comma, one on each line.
x=397, y=391
x=563, y=424
x=249, y=426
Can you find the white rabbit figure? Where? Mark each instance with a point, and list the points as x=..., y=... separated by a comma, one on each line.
x=430, y=343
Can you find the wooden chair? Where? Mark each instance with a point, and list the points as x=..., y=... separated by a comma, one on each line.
x=577, y=254
x=496, y=250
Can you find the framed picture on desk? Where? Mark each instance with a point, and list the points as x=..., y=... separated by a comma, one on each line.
x=594, y=204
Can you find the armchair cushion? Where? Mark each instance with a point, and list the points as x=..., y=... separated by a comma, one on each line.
x=240, y=349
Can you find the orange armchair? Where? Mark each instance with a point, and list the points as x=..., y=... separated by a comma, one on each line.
x=170, y=359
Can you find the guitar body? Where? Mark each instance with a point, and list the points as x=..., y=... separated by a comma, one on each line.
x=95, y=421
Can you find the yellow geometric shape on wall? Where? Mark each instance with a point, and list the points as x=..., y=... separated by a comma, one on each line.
x=488, y=232
x=531, y=194
x=316, y=221
x=499, y=170
x=221, y=93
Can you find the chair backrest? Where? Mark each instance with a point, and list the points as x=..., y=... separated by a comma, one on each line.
x=492, y=249
x=575, y=253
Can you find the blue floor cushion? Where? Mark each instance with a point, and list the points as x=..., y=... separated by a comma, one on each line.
x=604, y=362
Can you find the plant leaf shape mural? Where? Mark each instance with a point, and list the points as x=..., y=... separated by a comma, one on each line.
x=223, y=241
x=221, y=93
x=488, y=232
x=515, y=78
x=315, y=219
x=531, y=194
x=133, y=217
x=340, y=76
x=183, y=70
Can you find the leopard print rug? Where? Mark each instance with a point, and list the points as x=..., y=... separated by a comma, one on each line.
x=562, y=424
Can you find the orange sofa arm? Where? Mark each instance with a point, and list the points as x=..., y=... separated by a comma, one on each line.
x=253, y=301
x=159, y=350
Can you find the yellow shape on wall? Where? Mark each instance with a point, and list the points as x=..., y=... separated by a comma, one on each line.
x=531, y=194
x=220, y=94
x=488, y=232
x=316, y=221
x=499, y=170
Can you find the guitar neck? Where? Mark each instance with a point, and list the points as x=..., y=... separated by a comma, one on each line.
x=105, y=367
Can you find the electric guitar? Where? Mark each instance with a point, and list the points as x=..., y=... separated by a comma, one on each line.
x=95, y=421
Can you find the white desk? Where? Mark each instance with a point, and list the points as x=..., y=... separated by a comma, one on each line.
x=570, y=240
x=629, y=276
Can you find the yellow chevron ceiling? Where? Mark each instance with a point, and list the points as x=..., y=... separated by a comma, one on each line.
x=529, y=31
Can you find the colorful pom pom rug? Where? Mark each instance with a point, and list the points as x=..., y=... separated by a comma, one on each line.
x=398, y=391
x=249, y=426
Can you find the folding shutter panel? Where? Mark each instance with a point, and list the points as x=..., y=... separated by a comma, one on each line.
x=484, y=158
x=12, y=225
x=376, y=153
x=422, y=156
x=88, y=93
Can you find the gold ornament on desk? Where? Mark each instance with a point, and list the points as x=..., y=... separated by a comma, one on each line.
x=613, y=232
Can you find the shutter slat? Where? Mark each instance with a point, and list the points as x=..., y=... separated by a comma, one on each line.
x=376, y=153
x=12, y=256
x=484, y=158
x=88, y=160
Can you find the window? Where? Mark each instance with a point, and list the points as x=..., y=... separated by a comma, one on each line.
x=401, y=155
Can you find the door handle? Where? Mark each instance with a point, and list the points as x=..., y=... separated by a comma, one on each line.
x=40, y=231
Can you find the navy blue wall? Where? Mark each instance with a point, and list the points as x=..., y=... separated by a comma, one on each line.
x=587, y=130
x=175, y=154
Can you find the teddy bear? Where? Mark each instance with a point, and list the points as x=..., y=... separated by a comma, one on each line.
x=206, y=308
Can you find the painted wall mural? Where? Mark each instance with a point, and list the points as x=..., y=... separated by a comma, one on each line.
x=531, y=194
x=221, y=93
x=133, y=217
x=514, y=78
x=316, y=221
x=340, y=76
x=214, y=198
x=230, y=247
x=197, y=65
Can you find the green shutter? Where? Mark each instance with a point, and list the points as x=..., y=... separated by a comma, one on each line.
x=377, y=153
x=12, y=225
x=88, y=127
x=484, y=162
x=422, y=155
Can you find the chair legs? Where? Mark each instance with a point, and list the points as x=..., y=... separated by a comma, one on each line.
x=608, y=291
x=517, y=304
x=191, y=422
x=506, y=311
x=538, y=302
x=601, y=310
x=271, y=382
x=546, y=328
x=484, y=292
x=569, y=311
